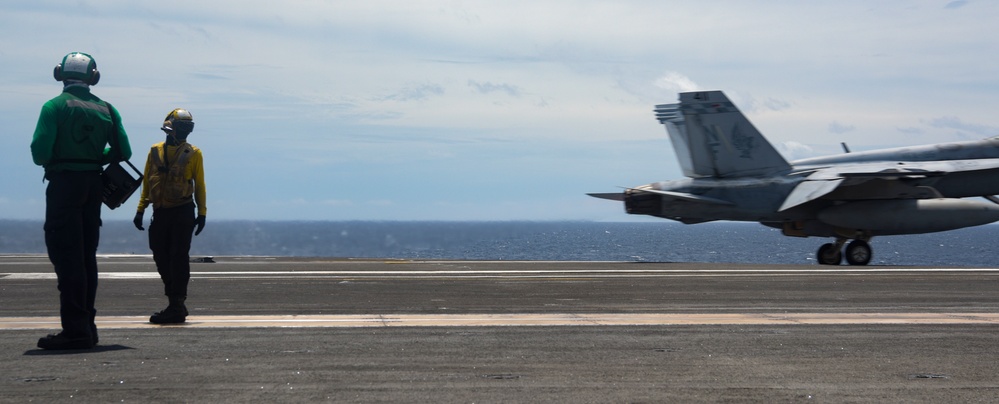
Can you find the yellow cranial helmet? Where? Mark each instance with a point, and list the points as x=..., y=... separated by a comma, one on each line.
x=179, y=121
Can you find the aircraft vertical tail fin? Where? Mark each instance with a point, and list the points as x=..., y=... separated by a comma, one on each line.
x=712, y=138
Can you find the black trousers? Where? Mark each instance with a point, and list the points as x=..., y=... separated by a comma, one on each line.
x=72, y=231
x=170, y=233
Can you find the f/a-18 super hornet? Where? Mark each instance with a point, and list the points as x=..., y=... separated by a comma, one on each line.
x=735, y=174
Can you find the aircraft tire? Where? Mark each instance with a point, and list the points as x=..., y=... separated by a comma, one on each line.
x=858, y=252
x=826, y=258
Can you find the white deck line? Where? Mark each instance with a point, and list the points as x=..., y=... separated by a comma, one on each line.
x=518, y=320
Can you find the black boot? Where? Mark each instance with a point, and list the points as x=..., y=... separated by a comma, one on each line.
x=61, y=341
x=175, y=313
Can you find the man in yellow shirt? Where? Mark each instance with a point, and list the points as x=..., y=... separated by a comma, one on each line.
x=174, y=184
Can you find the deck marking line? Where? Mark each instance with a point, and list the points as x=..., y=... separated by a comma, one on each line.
x=518, y=319
x=592, y=273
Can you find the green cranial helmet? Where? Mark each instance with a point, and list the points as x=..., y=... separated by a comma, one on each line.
x=77, y=66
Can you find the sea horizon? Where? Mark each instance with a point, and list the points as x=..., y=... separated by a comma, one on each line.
x=639, y=241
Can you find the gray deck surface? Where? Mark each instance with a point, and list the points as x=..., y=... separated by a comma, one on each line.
x=718, y=332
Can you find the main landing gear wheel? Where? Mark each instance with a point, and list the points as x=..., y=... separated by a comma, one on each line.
x=829, y=254
x=858, y=252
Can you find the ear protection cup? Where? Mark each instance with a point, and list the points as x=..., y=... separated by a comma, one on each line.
x=94, y=77
x=57, y=72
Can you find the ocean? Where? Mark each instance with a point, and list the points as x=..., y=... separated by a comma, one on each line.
x=724, y=242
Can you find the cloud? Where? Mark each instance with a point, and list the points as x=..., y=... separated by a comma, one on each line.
x=956, y=4
x=208, y=76
x=417, y=93
x=489, y=87
x=839, y=128
x=951, y=122
x=337, y=203
x=910, y=131
x=792, y=150
x=676, y=82
x=752, y=104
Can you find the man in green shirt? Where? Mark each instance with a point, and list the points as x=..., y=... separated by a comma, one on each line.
x=69, y=142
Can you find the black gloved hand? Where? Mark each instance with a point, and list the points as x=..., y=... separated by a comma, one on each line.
x=138, y=221
x=199, y=223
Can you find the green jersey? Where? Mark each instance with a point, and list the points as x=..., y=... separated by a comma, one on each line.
x=73, y=130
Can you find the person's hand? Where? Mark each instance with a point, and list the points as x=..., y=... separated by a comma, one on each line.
x=199, y=223
x=138, y=221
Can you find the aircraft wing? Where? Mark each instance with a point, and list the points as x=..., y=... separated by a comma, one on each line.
x=647, y=201
x=824, y=181
x=809, y=190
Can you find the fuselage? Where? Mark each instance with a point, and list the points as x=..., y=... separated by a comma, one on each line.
x=759, y=198
x=967, y=150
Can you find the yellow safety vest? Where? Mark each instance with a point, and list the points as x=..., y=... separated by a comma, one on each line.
x=167, y=186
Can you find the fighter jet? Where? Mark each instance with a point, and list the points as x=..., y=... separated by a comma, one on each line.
x=735, y=174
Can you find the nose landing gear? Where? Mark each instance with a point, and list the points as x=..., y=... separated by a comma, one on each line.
x=858, y=252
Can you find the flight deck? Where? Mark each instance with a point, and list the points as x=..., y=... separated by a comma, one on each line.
x=303, y=329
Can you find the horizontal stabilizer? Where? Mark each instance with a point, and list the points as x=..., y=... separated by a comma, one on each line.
x=616, y=196
x=684, y=196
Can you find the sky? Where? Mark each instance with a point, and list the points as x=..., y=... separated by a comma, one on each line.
x=486, y=110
